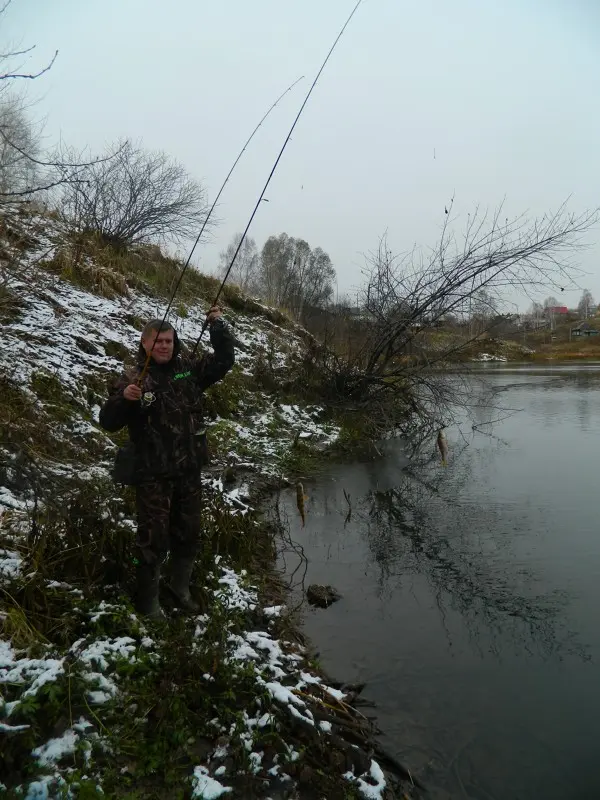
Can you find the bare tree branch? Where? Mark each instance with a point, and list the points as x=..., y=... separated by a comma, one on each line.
x=134, y=196
x=28, y=76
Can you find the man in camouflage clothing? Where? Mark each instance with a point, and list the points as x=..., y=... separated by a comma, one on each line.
x=165, y=421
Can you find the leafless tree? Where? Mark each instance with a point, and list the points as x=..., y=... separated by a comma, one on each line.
x=135, y=196
x=585, y=304
x=24, y=171
x=245, y=267
x=482, y=308
x=19, y=146
x=315, y=276
x=405, y=296
x=19, y=138
x=276, y=268
x=294, y=276
x=550, y=302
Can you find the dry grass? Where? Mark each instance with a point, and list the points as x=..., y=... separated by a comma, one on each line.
x=574, y=350
x=88, y=262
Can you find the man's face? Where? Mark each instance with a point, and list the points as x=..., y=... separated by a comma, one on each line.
x=160, y=345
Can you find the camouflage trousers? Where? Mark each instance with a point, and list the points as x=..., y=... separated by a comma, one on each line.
x=168, y=519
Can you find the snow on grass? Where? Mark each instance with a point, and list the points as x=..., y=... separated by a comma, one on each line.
x=489, y=357
x=10, y=564
x=233, y=595
x=205, y=787
x=371, y=784
x=31, y=673
x=278, y=671
x=46, y=787
x=307, y=422
x=5, y=728
x=273, y=611
x=99, y=655
x=94, y=658
x=9, y=501
x=55, y=749
x=102, y=651
x=268, y=435
x=32, y=342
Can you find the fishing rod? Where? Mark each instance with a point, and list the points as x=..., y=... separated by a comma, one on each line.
x=259, y=201
x=205, y=223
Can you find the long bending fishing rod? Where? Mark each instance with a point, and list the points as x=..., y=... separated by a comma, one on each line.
x=259, y=201
x=205, y=223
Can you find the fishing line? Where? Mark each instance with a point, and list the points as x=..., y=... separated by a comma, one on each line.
x=205, y=223
x=259, y=201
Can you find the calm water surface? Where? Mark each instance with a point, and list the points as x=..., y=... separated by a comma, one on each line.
x=471, y=594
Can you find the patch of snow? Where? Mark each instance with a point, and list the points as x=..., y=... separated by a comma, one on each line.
x=266, y=719
x=205, y=787
x=256, y=761
x=103, y=610
x=55, y=749
x=45, y=788
x=489, y=357
x=233, y=595
x=374, y=788
x=97, y=653
x=22, y=671
x=273, y=611
x=10, y=564
x=5, y=728
x=8, y=500
x=221, y=751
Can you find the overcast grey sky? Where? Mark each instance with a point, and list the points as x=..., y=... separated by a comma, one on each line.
x=504, y=92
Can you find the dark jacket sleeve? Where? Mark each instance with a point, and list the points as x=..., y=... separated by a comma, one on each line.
x=117, y=411
x=214, y=366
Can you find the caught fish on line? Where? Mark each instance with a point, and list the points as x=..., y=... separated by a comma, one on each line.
x=300, y=499
x=442, y=444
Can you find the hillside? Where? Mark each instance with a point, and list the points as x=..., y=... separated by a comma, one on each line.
x=93, y=701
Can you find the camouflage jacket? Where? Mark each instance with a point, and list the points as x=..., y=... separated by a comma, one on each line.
x=166, y=426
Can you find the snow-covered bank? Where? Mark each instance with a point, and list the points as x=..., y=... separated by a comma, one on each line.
x=94, y=702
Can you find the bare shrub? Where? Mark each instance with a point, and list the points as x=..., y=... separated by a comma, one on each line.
x=134, y=196
x=402, y=356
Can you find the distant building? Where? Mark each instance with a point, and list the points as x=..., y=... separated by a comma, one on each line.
x=583, y=329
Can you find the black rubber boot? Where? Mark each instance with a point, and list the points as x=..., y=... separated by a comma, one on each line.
x=147, y=604
x=181, y=572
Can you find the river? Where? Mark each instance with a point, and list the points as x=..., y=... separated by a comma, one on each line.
x=471, y=593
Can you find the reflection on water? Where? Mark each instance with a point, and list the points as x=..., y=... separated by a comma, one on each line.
x=471, y=593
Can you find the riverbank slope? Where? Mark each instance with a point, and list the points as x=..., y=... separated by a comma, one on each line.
x=94, y=702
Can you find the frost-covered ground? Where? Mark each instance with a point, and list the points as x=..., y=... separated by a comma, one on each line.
x=72, y=700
